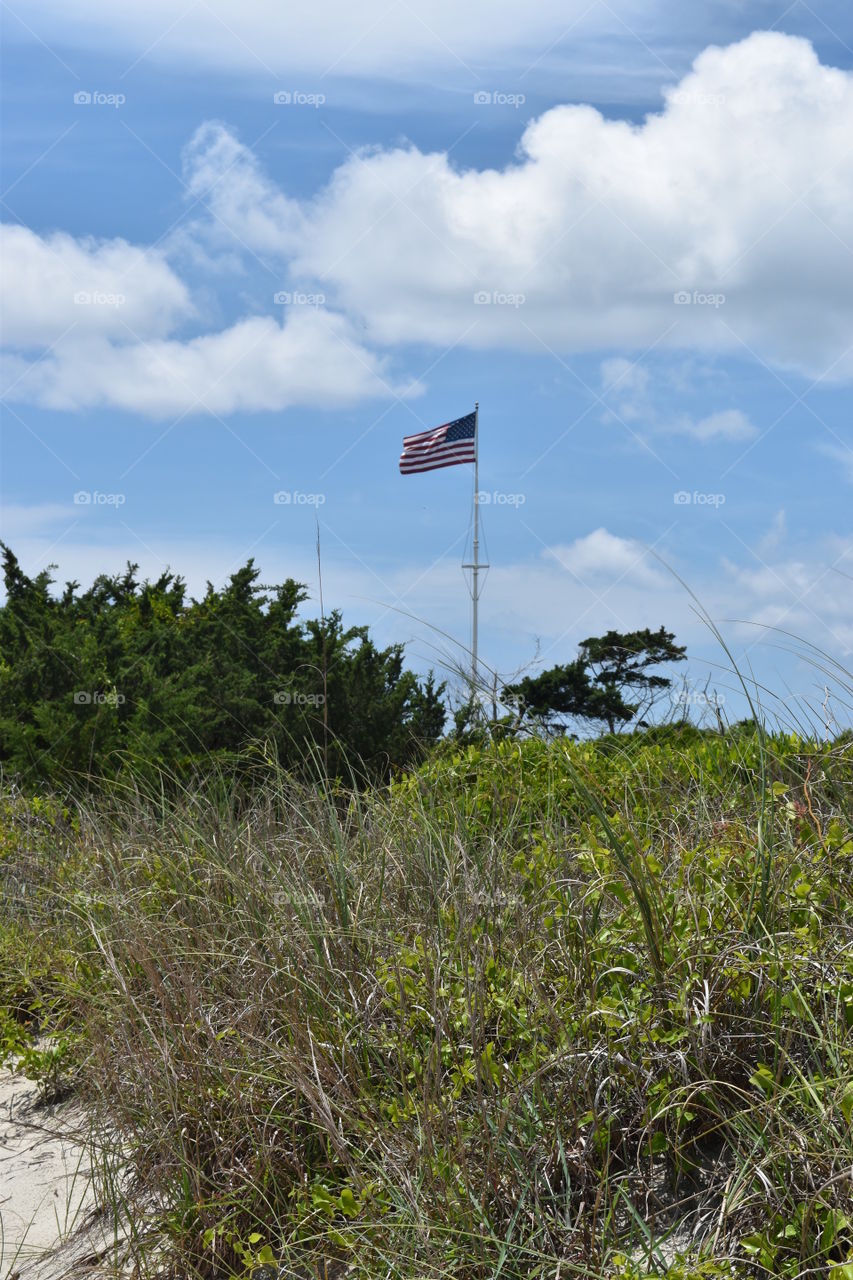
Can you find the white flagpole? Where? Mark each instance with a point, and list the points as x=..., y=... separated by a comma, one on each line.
x=476, y=565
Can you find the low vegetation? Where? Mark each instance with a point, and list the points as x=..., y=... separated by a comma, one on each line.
x=533, y=1009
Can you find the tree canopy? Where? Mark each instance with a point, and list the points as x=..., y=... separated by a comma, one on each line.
x=597, y=685
x=133, y=670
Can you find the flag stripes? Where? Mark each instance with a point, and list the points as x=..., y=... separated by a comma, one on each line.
x=444, y=446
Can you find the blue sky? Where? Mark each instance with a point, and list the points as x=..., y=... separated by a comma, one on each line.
x=655, y=200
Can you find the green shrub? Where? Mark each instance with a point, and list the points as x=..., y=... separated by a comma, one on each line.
x=532, y=1004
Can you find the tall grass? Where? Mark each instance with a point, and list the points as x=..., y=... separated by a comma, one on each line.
x=575, y=1009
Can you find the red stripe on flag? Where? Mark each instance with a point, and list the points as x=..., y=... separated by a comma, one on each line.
x=434, y=466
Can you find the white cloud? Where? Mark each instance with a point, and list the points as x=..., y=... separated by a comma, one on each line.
x=735, y=197
x=842, y=455
x=626, y=385
x=623, y=375
x=18, y=520
x=106, y=310
x=227, y=177
x=313, y=358
x=54, y=283
x=803, y=595
x=603, y=555
x=627, y=388
x=375, y=36
x=728, y=424
x=740, y=189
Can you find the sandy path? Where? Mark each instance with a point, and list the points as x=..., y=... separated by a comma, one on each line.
x=48, y=1228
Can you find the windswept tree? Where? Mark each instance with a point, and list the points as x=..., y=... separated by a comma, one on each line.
x=619, y=666
x=609, y=682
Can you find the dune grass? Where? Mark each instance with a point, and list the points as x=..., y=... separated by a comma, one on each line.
x=575, y=1009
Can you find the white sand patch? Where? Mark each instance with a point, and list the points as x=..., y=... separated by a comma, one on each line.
x=49, y=1225
x=45, y=1177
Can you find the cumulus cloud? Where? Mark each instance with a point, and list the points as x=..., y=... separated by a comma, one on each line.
x=799, y=595
x=256, y=364
x=228, y=178
x=628, y=388
x=102, y=316
x=720, y=223
x=605, y=580
x=54, y=283
x=602, y=555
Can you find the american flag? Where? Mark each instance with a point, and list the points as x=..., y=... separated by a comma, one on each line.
x=443, y=446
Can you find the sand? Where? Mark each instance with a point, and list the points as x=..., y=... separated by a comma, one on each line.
x=49, y=1226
